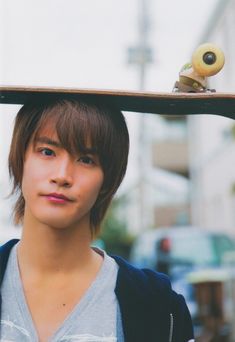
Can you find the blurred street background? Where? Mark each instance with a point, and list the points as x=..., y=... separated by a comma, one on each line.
x=175, y=211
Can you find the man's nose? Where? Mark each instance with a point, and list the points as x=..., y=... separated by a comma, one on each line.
x=62, y=175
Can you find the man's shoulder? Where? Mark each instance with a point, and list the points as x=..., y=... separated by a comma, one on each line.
x=147, y=284
x=148, y=297
x=4, y=255
x=141, y=279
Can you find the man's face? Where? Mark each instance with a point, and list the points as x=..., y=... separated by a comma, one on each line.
x=59, y=188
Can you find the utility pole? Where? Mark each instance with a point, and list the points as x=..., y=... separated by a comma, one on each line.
x=141, y=55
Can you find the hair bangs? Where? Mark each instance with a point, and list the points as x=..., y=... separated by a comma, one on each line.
x=72, y=125
x=73, y=130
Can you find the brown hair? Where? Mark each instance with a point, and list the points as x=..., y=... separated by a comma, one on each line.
x=75, y=121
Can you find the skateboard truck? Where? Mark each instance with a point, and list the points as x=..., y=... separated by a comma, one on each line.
x=207, y=60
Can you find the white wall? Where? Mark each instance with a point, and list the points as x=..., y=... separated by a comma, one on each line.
x=213, y=174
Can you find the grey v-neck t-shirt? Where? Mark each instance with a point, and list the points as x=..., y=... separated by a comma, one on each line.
x=96, y=318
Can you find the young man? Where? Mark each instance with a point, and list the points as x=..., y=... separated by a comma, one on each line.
x=67, y=160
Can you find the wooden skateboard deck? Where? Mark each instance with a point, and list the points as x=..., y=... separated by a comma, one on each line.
x=132, y=101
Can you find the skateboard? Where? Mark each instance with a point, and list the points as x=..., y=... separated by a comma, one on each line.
x=190, y=94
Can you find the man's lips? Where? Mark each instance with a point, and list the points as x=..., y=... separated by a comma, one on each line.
x=57, y=198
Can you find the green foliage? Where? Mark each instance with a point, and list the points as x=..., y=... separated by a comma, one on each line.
x=114, y=233
x=233, y=131
x=233, y=189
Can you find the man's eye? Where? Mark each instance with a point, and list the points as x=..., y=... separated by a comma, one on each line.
x=86, y=160
x=47, y=152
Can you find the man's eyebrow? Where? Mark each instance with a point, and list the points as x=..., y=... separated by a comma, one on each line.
x=48, y=141
x=89, y=150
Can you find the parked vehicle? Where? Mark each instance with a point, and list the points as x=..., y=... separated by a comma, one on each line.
x=178, y=251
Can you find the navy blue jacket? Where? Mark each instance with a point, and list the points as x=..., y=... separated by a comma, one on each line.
x=151, y=311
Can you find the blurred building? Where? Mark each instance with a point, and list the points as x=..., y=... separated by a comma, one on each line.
x=174, y=142
x=158, y=194
x=221, y=31
x=170, y=153
x=212, y=143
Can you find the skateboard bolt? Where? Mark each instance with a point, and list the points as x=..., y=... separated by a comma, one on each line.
x=209, y=58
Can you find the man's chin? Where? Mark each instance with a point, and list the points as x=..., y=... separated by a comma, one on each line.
x=50, y=221
x=61, y=220
x=62, y=224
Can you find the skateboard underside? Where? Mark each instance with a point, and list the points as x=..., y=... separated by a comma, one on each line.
x=145, y=102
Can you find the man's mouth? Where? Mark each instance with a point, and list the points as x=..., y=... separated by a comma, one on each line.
x=57, y=198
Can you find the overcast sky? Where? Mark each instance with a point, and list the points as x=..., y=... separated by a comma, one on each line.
x=83, y=43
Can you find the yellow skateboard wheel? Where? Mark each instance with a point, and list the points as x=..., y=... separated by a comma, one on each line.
x=207, y=60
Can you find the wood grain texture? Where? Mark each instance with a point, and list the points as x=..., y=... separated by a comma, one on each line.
x=133, y=101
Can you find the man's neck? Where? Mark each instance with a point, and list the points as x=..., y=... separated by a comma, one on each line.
x=52, y=251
